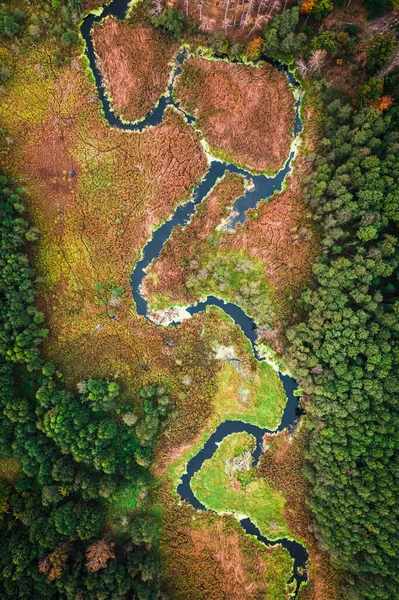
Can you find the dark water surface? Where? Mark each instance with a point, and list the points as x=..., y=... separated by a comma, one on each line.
x=263, y=187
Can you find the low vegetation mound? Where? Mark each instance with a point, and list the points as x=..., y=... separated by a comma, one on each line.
x=142, y=55
x=246, y=113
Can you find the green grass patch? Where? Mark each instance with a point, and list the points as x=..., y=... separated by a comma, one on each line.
x=227, y=483
x=258, y=399
x=246, y=389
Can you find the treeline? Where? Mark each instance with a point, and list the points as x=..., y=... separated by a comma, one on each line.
x=346, y=349
x=80, y=453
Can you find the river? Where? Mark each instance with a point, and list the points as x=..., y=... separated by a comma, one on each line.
x=263, y=187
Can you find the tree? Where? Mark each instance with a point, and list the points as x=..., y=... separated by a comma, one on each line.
x=65, y=518
x=69, y=38
x=344, y=350
x=98, y=555
x=380, y=52
x=316, y=60
x=172, y=20
x=75, y=451
x=253, y=49
x=280, y=37
x=376, y=8
x=10, y=23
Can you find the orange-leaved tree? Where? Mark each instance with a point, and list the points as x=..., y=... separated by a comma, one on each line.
x=253, y=48
x=307, y=7
x=98, y=554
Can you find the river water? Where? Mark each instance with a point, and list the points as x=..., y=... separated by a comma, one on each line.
x=263, y=187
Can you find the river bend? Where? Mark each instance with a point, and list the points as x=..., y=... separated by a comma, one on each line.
x=263, y=187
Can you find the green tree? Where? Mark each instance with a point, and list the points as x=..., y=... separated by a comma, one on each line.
x=69, y=38
x=172, y=20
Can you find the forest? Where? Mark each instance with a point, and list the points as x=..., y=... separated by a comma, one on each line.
x=77, y=514
x=78, y=455
x=346, y=346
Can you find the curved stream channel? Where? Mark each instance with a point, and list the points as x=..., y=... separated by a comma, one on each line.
x=263, y=187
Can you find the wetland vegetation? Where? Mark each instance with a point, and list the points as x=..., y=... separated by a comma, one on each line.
x=104, y=414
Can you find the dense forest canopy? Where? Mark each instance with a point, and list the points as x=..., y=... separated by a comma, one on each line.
x=347, y=347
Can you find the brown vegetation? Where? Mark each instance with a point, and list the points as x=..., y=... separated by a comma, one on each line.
x=237, y=19
x=169, y=273
x=96, y=194
x=55, y=562
x=208, y=557
x=134, y=62
x=281, y=235
x=92, y=4
x=98, y=555
x=246, y=113
x=282, y=465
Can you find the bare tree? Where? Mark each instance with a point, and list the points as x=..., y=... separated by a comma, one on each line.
x=156, y=8
x=53, y=564
x=302, y=67
x=186, y=6
x=238, y=4
x=98, y=554
x=262, y=4
x=259, y=23
x=200, y=7
x=226, y=25
x=316, y=60
x=274, y=7
x=206, y=25
x=226, y=8
x=245, y=17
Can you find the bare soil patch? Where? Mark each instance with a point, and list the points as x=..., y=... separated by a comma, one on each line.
x=134, y=62
x=246, y=113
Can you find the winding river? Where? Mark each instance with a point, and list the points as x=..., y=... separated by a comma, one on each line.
x=263, y=187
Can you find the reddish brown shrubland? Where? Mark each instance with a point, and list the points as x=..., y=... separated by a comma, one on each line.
x=207, y=557
x=246, y=113
x=238, y=20
x=171, y=269
x=133, y=60
x=282, y=236
x=279, y=233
